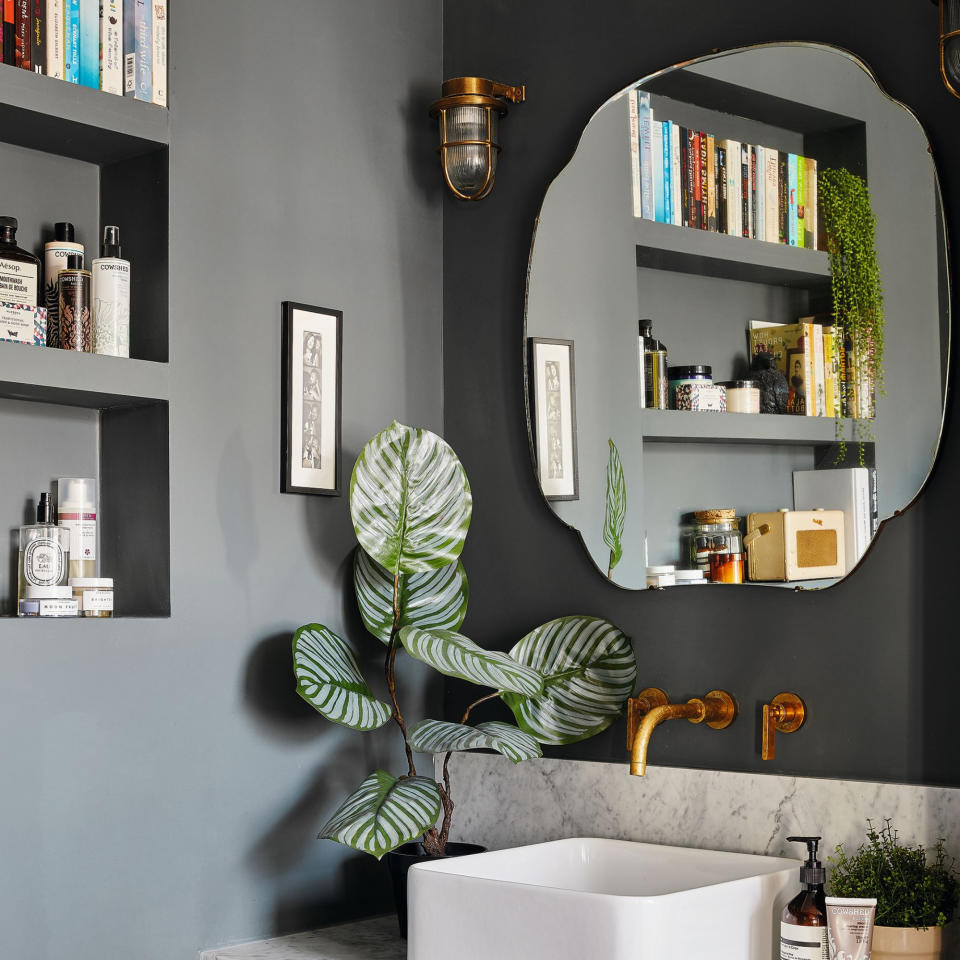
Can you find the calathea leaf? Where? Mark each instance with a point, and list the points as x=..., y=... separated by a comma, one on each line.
x=384, y=812
x=616, y=509
x=410, y=500
x=433, y=599
x=439, y=736
x=456, y=656
x=589, y=670
x=329, y=679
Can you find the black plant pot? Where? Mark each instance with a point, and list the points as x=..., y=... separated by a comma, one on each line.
x=399, y=861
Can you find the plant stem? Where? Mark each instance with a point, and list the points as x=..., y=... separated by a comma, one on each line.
x=389, y=673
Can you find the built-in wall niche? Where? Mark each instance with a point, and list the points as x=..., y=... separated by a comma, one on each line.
x=69, y=153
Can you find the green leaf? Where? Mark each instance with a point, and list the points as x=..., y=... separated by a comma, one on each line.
x=329, y=679
x=384, y=812
x=589, y=670
x=439, y=736
x=410, y=500
x=616, y=510
x=456, y=656
x=433, y=599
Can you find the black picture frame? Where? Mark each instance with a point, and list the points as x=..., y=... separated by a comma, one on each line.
x=309, y=430
x=567, y=487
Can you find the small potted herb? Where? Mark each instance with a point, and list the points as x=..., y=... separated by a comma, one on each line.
x=916, y=892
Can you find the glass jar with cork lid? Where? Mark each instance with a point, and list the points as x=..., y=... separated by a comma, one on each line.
x=714, y=544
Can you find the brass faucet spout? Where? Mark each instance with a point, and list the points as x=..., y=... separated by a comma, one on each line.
x=651, y=720
x=648, y=710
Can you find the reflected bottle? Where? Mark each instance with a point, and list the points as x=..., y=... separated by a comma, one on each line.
x=44, y=559
x=653, y=369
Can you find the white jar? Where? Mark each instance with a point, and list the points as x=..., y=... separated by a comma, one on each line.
x=94, y=595
x=743, y=396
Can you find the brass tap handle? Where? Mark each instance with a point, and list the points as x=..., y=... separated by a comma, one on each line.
x=784, y=714
x=639, y=706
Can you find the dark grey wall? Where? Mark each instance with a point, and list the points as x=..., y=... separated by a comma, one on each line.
x=874, y=657
x=162, y=783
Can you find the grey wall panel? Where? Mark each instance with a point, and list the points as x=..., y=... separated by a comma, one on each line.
x=890, y=625
x=163, y=784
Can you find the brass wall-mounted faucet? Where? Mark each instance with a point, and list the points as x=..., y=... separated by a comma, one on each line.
x=652, y=706
x=785, y=713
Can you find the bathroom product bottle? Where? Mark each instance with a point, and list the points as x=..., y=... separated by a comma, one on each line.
x=653, y=369
x=77, y=512
x=55, y=254
x=111, y=298
x=44, y=558
x=74, y=331
x=803, y=924
x=19, y=270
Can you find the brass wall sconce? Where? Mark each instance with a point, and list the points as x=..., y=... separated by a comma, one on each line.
x=950, y=45
x=784, y=714
x=470, y=109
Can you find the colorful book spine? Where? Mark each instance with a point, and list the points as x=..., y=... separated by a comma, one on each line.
x=71, y=41
x=666, y=148
x=138, y=50
x=810, y=204
x=753, y=192
x=783, y=200
x=111, y=47
x=54, y=10
x=770, y=196
x=745, y=206
x=734, y=189
x=801, y=198
x=9, y=32
x=656, y=155
x=759, y=188
x=830, y=374
x=633, y=113
x=711, y=183
x=819, y=373
x=90, y=44
x=160, y=52
x=38, y=36
x=685, y=178
x=22, y=33
x=721, y=190
x=645, y=115
x=792, y=199
x=703, y=213
x=696, y=215
x=675, y=175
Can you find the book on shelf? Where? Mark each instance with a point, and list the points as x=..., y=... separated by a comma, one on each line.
x=734, y=187
x=771, y=195
x=22, y=33
x=656, y=157
x=721, y=188
x=675, y=175
x=810, y=239
x=704, y=170
x=711, y=183
x=632, y=101
x=38, y=36
x=646, y=154
x=90, y=44
x=159, y=94
x=9, y=32
x=71, y=41
x=746, y=206
x=759, y=186
x=793, y=346
x=839, y=488
x=138, y=50
x=111, y=46
x=54, y=15
x=696, y=214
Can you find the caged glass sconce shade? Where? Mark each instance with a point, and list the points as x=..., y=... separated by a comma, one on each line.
x=469, y=111
x=950, y=45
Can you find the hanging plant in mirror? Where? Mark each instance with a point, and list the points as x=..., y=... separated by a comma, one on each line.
x=849, y=226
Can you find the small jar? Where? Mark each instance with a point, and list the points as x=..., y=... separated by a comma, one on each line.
x=709, y=532
x=94, y=596
x=743, y=396
x=726, y=568
x=48, y=602
x=678, y=376
x=689, y=578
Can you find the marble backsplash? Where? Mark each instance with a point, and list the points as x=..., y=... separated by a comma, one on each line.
x=500, y=804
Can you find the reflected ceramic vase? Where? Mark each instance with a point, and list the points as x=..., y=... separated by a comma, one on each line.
x=399, y=861
x=900, y=943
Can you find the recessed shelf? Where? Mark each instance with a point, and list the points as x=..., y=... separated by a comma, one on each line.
x=49, y=375
x=687, y=426
x=663, y=246
x=74, y=121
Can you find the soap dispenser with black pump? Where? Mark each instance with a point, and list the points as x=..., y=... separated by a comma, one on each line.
x=803, y=924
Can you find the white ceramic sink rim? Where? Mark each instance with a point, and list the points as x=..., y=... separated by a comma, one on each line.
x=499, y=866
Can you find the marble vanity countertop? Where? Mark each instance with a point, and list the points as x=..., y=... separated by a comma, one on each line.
x=377, y=939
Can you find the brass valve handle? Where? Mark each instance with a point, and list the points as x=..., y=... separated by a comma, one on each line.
x=784, y=714
x=639, y=706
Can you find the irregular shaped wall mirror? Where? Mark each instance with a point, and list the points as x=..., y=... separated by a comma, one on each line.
x=638, y=226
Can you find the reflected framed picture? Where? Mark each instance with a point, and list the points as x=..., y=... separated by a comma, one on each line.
x=554, y=408
x=310, y=399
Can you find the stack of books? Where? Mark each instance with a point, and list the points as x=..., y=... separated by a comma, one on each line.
x=825, y=375
x=690, y=178
x=118, y=46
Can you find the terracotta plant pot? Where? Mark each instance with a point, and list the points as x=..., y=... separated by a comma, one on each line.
x=399, y=861
x=894, y=943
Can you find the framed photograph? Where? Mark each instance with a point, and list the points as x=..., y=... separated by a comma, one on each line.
x=554, y=417
x=310, y=401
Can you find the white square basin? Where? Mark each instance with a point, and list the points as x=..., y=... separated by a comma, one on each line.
x=588, y=899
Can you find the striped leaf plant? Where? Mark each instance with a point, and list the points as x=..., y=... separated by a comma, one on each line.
x=411, y=506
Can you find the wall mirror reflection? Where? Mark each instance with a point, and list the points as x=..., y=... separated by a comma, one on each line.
x=746, y=407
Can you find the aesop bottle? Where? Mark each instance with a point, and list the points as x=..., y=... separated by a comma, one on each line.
x=19, y=270
x=803, y=924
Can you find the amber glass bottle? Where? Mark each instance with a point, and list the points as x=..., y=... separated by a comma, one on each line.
x=803, y=925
